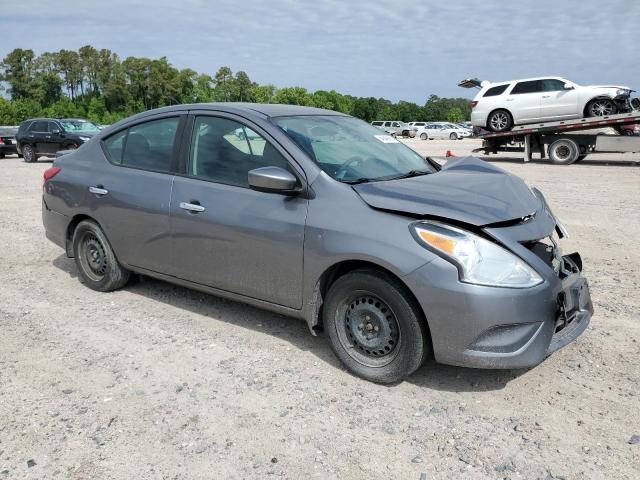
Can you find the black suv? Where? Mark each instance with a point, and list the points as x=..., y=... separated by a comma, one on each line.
x=45, y=136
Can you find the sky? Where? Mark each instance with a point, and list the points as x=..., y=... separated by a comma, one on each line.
x=401, y=50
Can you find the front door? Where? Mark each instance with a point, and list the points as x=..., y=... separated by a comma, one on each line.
x=226, y=235
x=557, y=102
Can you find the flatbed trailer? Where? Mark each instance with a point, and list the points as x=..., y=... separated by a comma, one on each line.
x=561, y=141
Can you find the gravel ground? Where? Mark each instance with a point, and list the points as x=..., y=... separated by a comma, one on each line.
x=157, y=381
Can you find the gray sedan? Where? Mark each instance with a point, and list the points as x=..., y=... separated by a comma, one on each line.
x=317, y=215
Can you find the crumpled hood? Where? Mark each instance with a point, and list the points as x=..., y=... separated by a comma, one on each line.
x=611, y=86
x=466, y=189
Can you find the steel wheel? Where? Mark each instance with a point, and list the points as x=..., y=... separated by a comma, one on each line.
x=92, y=256
x=370, y=333
x=601, y=107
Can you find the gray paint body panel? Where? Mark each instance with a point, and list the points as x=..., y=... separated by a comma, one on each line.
x=271, y=250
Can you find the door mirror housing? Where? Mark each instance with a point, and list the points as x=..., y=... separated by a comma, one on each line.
x=56, y=131
x=273, y=180
x=568, y=86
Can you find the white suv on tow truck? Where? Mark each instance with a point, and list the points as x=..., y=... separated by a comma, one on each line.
x=499, y=106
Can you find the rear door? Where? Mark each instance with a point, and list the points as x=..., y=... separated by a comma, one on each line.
x=556, y=102
x=131, y=194
x=523, y=101
x=226, y=235
x=39, y=136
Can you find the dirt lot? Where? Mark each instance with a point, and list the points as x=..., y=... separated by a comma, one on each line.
x=157, y=381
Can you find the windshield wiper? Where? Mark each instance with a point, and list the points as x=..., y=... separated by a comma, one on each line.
x=356, y=181
x=409, y=174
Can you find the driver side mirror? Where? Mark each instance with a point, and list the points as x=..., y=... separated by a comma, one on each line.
x=56, y=131
x=568, y=86
x=273, y=180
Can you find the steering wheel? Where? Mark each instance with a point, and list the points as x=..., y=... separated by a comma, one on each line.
x=343, y=170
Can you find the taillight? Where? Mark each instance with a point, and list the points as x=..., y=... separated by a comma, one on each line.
x=1, y=142
x=49, y=173
x=474, y=103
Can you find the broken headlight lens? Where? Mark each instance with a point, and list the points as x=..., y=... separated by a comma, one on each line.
x=479, y=261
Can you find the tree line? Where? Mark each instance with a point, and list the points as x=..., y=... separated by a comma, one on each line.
x=100, y=86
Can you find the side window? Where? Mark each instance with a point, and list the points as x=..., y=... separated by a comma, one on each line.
x=53, y=126
x=531, y=86
x=387, y=124
x=115, y=146
x=495, y=91
x=39, y=126
x=150, y=145
x=552, y=85
x=224, y=151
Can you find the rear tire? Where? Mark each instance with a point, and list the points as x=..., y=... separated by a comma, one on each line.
x=499, y=121
x=563, y=152
x=29, y=153
x=375, y=327
x=97, y=265
x=424, y=136
x=453, y=136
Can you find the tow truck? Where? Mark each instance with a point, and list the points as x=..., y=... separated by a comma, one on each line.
x=561, y=141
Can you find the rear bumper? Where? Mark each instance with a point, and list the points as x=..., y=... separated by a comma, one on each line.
x=8, y=149
x=55, y=225
x=501, y=328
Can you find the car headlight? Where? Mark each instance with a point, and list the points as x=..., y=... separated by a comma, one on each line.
x=622, y=91
x=479, y=261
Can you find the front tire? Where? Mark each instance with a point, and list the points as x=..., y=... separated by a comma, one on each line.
x=453, y=136
x=499, y=121
x=28, y=153
x=601, y=107
x=97, y=264
x=424, y=136
x=375, y=327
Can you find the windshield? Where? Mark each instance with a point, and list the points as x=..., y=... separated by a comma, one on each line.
x=79, y=126
x=349, y=149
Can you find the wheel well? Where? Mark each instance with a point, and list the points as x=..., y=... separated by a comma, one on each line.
x=342, y=268
x=72, y=228
x=599, y=97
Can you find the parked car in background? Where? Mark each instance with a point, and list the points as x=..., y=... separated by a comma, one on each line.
x=499, y=106
x=440, y=130
x=45, y=136
x=8, y=144
x=629, y=130
x=394, y=257
x=396, y=128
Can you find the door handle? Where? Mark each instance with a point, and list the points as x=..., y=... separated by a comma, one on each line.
x=98, y=190
x=192, y=207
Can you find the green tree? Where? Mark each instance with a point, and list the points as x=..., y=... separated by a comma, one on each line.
x=455, y=115
x=17, y=70
x=224, y=85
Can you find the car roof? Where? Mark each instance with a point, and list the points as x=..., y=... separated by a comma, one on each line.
x=555, y=77
x=264, y=109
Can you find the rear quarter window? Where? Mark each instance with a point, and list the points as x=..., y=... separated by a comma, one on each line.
x=114, y=145
x=495, y=91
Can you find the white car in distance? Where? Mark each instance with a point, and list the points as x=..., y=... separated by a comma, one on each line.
x=432, y=130
x=499, y=106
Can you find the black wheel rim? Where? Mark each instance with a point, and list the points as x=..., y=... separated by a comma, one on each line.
x=93, y=256
x=368, y=329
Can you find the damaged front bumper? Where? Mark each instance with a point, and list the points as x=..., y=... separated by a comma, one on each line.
x=506, y=328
